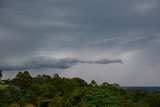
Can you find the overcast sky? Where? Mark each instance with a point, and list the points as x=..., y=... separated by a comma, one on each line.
x=117, y=41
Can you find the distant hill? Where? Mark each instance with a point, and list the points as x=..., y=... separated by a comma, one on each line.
x=146, y=89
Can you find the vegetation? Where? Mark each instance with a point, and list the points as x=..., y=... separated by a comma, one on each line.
x=2, y=87
x=46, y=91
x=146, y=89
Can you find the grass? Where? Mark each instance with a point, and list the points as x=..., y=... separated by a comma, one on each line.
x=2, y=87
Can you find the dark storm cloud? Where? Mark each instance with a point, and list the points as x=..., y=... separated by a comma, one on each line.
x=34, y=25
x=52, y=25
x=91, y=29
x=45, y=62
x=102, y=61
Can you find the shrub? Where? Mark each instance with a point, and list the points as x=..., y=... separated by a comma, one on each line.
x=14, y=105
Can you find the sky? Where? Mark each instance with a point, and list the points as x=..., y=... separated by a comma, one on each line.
x=114, y=41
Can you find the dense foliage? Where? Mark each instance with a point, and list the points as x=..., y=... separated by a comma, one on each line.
x=46, y=91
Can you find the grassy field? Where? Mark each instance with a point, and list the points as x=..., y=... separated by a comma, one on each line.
x=2, y=87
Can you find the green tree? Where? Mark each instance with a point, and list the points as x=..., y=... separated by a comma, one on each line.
x=23, y=80
x=80, y=82
x=93, y=83
x=100, y=98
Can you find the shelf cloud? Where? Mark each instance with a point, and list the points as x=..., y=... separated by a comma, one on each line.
x=55, y=63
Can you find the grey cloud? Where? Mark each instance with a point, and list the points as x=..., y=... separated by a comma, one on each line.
x=102, y=61
x=46, y=62
x=141, y=42
x=34, y=25
x=104, y=41
x=78, y=29
x=153, y=65
x=126, y=43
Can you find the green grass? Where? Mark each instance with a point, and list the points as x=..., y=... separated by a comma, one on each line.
x=2, y=87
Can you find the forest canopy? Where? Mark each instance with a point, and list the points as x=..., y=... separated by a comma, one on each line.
x=55, y=91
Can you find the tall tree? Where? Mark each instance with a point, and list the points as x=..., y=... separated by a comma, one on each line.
x=0, y=76
x=23, y=80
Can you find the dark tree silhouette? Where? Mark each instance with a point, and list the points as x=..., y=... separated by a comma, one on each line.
x=0, y=76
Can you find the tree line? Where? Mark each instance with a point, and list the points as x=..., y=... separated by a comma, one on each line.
x=55, y=91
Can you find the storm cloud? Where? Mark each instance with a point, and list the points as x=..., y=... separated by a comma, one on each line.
x=81, y=38
x=46, y=62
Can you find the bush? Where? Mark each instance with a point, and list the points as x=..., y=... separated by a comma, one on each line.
x=14, y=105
x=29, y=105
